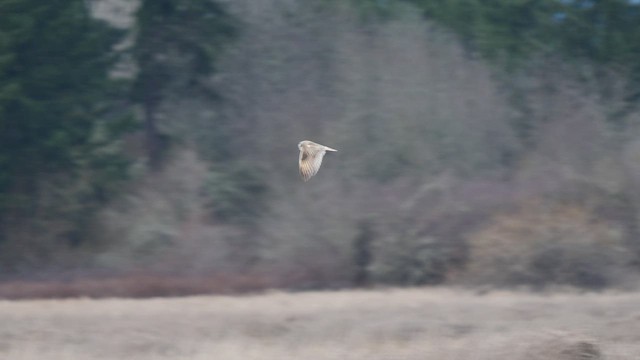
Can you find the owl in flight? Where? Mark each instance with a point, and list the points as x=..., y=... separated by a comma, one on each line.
x=310, y=159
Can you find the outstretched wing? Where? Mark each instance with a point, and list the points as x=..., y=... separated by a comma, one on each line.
x=310, y=160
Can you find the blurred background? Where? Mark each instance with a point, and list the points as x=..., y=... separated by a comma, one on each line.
x=150, y=147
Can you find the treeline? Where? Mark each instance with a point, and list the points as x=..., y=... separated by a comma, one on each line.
x=480, y=142
x=602, y=34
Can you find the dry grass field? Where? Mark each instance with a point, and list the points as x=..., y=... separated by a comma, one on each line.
x=393, y=324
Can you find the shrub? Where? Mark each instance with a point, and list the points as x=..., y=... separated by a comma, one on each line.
x=545, y=243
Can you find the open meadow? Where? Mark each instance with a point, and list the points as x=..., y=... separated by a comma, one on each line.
x=398, y=324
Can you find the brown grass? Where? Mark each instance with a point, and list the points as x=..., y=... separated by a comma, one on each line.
x=394, y=324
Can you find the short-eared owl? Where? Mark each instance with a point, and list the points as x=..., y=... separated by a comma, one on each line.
x=310, y=159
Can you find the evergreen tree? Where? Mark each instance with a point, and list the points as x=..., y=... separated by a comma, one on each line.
x=54, y=93
x=176, y=46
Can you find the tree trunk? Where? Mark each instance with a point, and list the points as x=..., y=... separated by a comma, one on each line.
x=152, y=136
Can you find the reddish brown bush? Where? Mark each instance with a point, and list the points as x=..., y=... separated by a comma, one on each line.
x=545, y=243
x=136, y=286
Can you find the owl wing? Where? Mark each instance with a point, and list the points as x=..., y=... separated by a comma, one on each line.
x=309, y=162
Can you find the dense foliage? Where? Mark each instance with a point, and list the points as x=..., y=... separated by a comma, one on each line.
x=57, y=113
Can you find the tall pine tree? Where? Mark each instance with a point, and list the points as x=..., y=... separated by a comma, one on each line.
x=176, y=46
x=54, y=93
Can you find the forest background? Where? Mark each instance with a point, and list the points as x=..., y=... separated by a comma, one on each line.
x=149, y=147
